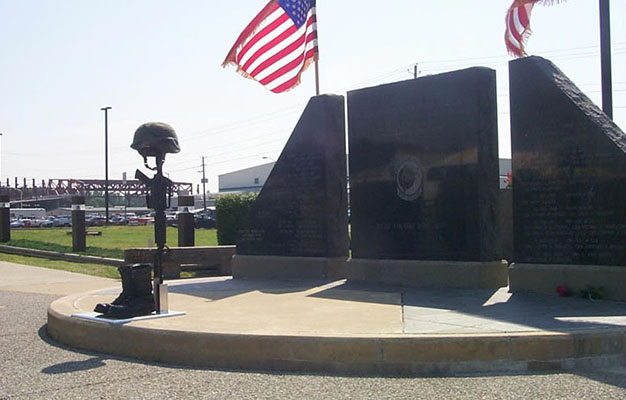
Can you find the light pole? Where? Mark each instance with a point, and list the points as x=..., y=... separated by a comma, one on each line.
x=106, y=163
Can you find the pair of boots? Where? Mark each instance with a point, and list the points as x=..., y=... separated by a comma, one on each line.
x=136, y=298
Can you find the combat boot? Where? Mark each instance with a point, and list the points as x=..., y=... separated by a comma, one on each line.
x=125, y=273
x=141, y=300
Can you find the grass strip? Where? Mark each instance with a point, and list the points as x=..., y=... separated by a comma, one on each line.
x=111, y=243
x=91, y=251
x=100, y=270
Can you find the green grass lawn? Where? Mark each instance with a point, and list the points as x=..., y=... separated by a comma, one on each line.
x=111, y=243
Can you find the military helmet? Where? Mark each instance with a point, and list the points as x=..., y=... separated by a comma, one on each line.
x=155, y=139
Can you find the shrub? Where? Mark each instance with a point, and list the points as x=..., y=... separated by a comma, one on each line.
x=231, y=213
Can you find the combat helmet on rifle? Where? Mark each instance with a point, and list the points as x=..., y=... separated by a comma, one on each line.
x=155, y=139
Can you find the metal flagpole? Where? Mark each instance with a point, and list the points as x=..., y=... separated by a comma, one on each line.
x=317, y=79
x=605, y=55
x=317, y=67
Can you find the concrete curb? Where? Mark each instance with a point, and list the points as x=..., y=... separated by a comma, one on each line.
x=397, y=354
x=20, y=251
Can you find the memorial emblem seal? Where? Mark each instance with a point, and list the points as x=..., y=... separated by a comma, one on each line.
x=409, y=178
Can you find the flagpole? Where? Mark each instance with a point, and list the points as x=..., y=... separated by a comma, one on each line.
x=605, y=56
x=317, y=78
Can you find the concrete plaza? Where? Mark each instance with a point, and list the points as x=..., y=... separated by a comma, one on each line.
x=34, y=366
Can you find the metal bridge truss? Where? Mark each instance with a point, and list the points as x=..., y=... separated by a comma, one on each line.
x=61, y=188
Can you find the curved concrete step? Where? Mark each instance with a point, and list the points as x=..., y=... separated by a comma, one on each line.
x=326, y=327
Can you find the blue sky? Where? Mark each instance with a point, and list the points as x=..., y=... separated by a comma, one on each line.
x=156, y=60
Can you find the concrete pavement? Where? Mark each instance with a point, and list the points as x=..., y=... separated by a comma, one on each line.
x=35, y=367
x=340, y=327
x=21, y=278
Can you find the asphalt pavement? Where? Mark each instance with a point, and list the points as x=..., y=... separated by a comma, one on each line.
x=34, y=367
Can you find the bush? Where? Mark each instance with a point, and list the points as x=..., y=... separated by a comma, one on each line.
x=231, y=212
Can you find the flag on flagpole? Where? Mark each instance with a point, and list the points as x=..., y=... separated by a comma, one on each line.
x=278, y=45
x=518, y=25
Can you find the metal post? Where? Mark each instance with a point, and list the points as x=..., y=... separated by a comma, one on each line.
x=186, y=230
x=159, y=193
x=79, y=233
x=106, y=163
x=5, y=219
x=605, y=54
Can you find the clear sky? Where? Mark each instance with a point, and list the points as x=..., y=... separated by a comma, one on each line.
x=61, y=61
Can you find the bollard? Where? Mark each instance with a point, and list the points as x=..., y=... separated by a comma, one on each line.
x=5, y=219
x=79, y=234
x=186, y=232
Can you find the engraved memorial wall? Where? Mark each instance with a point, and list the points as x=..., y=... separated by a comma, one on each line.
x=569, y=171
x=301, y=210
x=424, y=168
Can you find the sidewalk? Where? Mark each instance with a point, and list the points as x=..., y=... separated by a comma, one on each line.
x=24, y=278
x=349, y=328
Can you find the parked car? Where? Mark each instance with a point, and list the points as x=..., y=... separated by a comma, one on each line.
x=202, y=220
x=17, y=223
x=145, y=220
x=95, y=220
x=63, y=220
x=38, y=221
x=47, y=222
x=118, y=220
x=171, y=219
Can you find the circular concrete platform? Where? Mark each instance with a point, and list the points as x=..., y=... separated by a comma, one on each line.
x=339, y=327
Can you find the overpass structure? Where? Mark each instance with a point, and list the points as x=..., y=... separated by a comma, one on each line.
x=57, y=189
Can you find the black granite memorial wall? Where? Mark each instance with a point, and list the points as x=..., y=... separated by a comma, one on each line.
x=569, y=171
x=424, y=168
x=301, y=210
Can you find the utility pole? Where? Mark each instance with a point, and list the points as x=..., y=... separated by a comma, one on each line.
x=106, y=163
x=204, y=181
x=605, y=55
x=415, y=71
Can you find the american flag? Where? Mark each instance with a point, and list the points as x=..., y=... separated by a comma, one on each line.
x=518, y=25
x=278, y=45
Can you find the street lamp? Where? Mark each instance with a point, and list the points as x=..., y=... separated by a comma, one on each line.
x=106, y=163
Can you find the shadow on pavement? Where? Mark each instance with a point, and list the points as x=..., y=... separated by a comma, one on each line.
x=489, y=308
x=74, y=366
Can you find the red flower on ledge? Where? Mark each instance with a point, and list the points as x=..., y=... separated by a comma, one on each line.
x=562, y=290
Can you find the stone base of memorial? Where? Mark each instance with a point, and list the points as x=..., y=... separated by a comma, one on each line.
x=276, y=267
x=545, y=278
x=434, y=274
